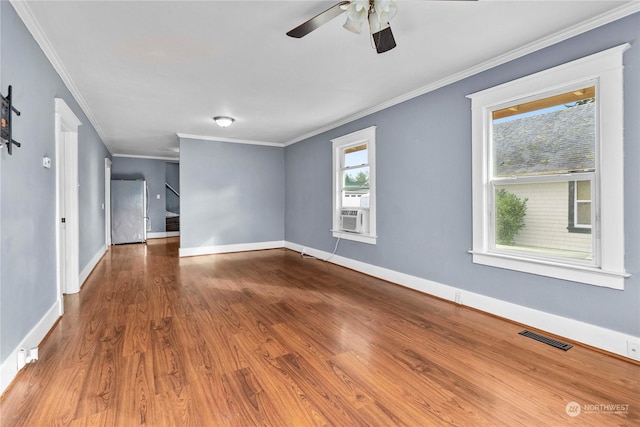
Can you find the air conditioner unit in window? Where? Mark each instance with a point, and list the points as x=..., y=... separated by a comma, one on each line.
x=354, y=220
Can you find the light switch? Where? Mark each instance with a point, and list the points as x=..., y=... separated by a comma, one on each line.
x=158, y=196
x=46, y=162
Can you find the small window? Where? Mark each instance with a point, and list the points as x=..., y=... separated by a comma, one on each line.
x=580, y=206
x=538, y=142
x=355, y=176
x=354, y=186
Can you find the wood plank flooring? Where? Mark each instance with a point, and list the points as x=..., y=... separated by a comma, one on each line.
x=269, y=338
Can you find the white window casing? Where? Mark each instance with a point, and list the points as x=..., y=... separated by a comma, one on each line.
x=605, y=70
x=365, y=136
x=576, y=204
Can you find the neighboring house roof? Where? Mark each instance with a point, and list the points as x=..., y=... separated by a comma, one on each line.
x=558, y=141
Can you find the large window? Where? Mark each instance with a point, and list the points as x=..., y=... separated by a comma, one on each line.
x=354, y=186
x=539, y=148
x=538, y=142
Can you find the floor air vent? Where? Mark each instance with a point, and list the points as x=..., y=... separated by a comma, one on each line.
x=558, y=344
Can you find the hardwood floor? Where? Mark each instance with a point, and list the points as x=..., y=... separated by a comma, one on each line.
x=270, y=338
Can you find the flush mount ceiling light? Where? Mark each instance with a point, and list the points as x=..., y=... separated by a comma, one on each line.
x=223, y=121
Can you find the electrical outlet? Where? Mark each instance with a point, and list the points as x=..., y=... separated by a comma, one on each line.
x=458, y=298
x=32, y=355
x=633, y=350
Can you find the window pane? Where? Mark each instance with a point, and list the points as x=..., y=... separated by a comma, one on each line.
x=356, y=156
x=551, y=136
x=355, y=199
x=356, y=179
x=583, y=190
x=584, y=214
x=532, y=219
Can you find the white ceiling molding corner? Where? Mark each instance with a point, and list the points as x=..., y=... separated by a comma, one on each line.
x=230, y=140
x=136, y=156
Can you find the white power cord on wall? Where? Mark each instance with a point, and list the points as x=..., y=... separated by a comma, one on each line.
x=335, y=249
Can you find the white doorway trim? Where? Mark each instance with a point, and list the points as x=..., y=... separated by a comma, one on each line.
x=67, y=233
x=107, y=202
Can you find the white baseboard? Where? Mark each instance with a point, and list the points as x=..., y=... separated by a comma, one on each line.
x=9, y=368
x=241, y=247
x=162, y=234
x=575, y=330
x=86, y=271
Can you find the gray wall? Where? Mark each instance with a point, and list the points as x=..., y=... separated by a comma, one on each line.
x=426, y=142
x=91, y=155
x=153, y=171
x=231, y=193
x=27, y=190
x=172, y=176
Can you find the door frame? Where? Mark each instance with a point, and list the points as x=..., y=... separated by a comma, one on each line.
x=66, y=132
x=107, y=202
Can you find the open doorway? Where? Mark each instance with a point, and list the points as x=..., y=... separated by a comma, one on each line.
x=107, y=203
x=67, y=226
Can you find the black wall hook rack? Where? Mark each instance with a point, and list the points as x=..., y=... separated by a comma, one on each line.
x=7, y=109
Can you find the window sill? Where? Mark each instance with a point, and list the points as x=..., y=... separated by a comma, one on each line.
x=580, y=230
x=362, y=238
x=575, y=273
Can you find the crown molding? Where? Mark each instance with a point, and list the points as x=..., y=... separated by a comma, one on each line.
x=135, y=156
x=231, y=140
x=590, y=24
x=33, y=26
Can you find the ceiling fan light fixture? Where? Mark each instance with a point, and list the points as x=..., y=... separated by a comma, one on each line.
x=353, y=26
x=223, y=121
x=357, y=12
x=385, y=9
x=358, y=7
x=375, y=24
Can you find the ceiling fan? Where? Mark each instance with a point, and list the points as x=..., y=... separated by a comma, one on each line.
x=377, y=12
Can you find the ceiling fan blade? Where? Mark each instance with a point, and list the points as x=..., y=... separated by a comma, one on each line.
x=384, y=40
x=318, y=20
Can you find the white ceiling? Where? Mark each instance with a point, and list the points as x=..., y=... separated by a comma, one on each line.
x=146, y=70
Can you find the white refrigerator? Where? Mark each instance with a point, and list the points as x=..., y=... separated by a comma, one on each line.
x=129, y=211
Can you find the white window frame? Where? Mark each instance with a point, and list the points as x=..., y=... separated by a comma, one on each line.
x=606, y=70
x=577, y=202
x=364, y=136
